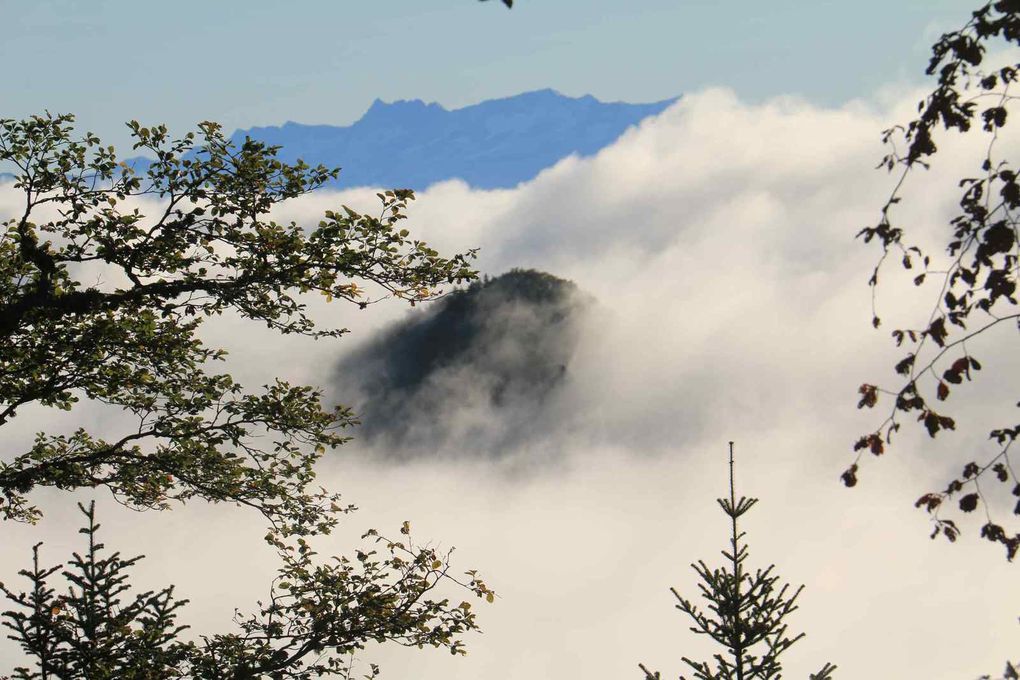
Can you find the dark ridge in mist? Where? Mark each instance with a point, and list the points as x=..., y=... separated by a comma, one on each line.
x=471, y=374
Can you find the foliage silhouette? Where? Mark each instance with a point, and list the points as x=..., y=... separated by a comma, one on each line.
x=317, y=615
x=132, y=343
x=977, y=279
x=746, y=611
x=128, y=340
x=1012, y=672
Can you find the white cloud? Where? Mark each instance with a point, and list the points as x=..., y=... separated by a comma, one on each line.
x=718, y=240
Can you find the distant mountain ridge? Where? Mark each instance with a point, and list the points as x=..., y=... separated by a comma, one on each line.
x=497, y=143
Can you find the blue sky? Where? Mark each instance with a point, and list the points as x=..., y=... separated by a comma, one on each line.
x=322, y=61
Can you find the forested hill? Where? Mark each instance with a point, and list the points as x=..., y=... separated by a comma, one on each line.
x=476, y=366
x=497, y=143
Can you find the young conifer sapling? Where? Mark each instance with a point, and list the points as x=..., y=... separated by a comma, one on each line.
x=746, y=611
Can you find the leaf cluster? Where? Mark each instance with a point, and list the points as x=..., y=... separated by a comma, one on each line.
x=317, y=616
x=132, y=342
x=1012, y=672
x=978, y=283
x=129, y=341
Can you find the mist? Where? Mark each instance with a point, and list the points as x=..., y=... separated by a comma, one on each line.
x=730, y=304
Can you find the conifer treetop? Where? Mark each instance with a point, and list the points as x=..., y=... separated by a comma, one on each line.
x=746, y=611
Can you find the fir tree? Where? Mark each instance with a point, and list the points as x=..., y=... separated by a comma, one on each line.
x=96, y=629
x=129, y=340
x=746, y=611
x=85, y=622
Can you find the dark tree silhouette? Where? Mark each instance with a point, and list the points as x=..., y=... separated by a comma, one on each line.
x=976, y=278
x=746, y=612
x=1012, y=672
x=317, y=616
x=130, y=342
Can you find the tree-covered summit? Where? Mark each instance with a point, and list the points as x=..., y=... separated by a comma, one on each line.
x=485, y=357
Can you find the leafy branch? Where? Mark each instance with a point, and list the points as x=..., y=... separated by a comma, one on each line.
x=977, y=285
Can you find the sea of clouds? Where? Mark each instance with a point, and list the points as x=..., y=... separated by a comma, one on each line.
x=717, y=240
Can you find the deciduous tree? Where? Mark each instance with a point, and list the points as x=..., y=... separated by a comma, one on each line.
x=101, y=302
x=317, y=616
x=975, y=279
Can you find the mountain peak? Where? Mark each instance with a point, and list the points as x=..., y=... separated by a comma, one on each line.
x=497, y=143
x=544, y=92
x=402, y=104
x=501, y=347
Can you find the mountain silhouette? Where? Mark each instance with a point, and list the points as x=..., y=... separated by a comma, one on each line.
x=497, y=143
x=475, y=367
